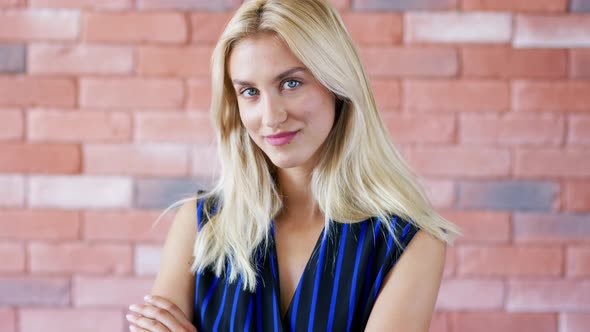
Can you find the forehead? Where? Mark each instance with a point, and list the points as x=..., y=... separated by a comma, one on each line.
x=261, y=56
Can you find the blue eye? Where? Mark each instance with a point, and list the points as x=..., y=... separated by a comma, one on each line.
x=248, y=94
x=291, y=84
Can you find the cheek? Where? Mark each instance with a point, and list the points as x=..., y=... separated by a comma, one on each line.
x=319, y=109
x=249, y=120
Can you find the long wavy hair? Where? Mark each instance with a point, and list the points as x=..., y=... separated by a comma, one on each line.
x=359, y=173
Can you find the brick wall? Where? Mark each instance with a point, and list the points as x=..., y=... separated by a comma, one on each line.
x=103, y=122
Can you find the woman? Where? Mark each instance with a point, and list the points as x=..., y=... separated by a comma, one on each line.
x=314, y=206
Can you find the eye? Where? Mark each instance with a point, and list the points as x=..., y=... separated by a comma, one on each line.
x=291, y=84
x=249, y=92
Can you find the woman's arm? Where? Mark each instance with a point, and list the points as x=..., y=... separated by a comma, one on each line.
x=174, y=281
x=408, y=295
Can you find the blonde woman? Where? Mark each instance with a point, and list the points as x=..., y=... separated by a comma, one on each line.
x=306, y=227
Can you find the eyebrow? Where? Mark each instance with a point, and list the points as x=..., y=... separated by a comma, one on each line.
x=278, y=78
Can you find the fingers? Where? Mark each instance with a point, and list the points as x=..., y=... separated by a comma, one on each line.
x=134, y=328
x=159, y=315
x=169, y=306
x=152, y=318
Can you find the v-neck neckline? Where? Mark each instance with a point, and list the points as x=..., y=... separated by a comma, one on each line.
x=277, y=282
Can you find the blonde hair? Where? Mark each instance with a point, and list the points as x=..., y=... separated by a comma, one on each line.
x=359, y=174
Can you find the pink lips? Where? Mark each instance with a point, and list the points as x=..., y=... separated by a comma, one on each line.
x=281, y=138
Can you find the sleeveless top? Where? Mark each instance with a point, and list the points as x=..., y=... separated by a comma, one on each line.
x=336, y=291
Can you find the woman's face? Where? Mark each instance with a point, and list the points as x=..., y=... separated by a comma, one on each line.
x=277, y=95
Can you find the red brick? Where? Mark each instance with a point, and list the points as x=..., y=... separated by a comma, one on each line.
x=456, y=95
x=206, y=27
x=194, y=127
x=78, y=257
x=7, y=315
x=147, y=260
x=503, y=321
x=578, y=262
x=566, y=96
x=11, y=125
x=510, y=261
x=75, y=192
x=374, y=28
x=204, y=161
x=107, y=291
x=440, y=192
x=481, y=227
x=33, y=91
x=457, y=27
x=516, y=5
x=545, y=295
x=505, y=62
x=125, y=226
x=554, y=228
x=580, y=63
x=552, y=162
x=565, y=31
x=199, y=94
x=420, y=127
x=387, y=93
x=70, y=320
x=460, y=161
x=510, y=128
x=577, y=196
x=181, y=62
x=163, y=160
x=578, y=129
x=457, y=294
x=12, y=190
x=34, y=291
x=439, y=322
x=188, y=4
x=84, y=4
x=12, y=256
x=410, y=61
x=48, y=125
x=39, y=158
x=11, y=4
x=341, y=4
x=79, y=59
x=131, y=92
x=25, y=25
x=39, y=225
x=403, y=5
x=134, y=27
x=574, y=322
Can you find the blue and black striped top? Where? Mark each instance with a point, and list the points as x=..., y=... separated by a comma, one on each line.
x=336, y=291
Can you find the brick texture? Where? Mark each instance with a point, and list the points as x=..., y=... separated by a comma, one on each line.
x=552, y=31
x=12, y=58
x=580, y=5
x=71, y=320
x=105, y=121
x=40, y=24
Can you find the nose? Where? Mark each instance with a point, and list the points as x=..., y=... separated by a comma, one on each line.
x=273, y=111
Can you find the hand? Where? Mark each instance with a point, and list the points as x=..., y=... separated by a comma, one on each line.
x=158, y=315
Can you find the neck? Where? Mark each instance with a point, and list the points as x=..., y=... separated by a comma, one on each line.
x=295, y=187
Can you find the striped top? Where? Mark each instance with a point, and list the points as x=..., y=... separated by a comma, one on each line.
x=336, y=291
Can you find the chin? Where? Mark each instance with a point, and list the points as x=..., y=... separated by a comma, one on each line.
x=285, y=161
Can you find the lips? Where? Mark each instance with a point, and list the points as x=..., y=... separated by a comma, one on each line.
x=282, y=134
x=281, y=138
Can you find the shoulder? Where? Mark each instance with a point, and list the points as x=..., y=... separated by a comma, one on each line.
x=410, y=289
